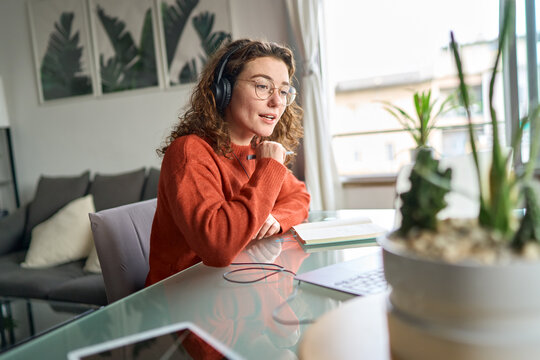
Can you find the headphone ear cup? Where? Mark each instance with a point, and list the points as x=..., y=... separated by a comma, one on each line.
x=218, y=94
x=227, y=93
x=222, y=93
x=221, y=87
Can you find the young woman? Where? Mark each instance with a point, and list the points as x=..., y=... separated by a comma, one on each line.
x=223, y=180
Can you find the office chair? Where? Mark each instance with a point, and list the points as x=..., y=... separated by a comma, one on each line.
x=122, y=239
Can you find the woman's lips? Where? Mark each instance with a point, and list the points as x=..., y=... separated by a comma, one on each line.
x=268, y=118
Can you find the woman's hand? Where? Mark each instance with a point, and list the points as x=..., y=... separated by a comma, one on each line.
x=271, y=149
x=270, y=227
x=265, y=250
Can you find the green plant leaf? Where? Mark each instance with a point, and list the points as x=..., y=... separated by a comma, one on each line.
x=203, y=24
x=533, y=119
x=210, y=42
x=121, y=40
x=131, y=67
x=188, y=74
x=112, y=74
x=420, y=126
x=464, y=96
x=529, y=229
x=61, y=64
x=497, y=206
x=214, y=41
x=145, y=69
x=175, y=18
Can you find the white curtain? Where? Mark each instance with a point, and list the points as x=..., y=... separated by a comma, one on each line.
x=322, y=181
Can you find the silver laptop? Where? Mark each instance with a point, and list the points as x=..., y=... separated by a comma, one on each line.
x=362, y=276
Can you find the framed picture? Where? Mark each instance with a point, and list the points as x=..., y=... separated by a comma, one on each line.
x=61, y=44
x=125, y=45
x=191, y=31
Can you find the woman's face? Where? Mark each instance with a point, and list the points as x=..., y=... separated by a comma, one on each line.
x=248, y=114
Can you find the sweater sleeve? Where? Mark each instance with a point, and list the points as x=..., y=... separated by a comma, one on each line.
x=217, y=228
x=292, y=205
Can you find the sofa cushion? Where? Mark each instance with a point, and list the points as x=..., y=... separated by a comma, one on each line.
x=11, y=261
x=52, y=194
x=36, y=283
x=11, y=230
x=114, y=190
x=89, y=289
x=92, y=262
x=151, y=184
x=65, y=237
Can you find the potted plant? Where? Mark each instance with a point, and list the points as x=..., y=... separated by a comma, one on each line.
x=467, y=288
x=420, y=124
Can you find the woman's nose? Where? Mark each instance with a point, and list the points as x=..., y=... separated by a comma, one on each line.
x=275, y=99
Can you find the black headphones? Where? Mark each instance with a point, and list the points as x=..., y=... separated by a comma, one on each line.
x=222, y=87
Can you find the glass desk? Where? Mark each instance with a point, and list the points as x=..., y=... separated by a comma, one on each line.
x=238, y=315
x=24, y=319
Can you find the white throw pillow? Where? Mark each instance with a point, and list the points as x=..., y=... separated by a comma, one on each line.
x=92, y=263
x=64, y=237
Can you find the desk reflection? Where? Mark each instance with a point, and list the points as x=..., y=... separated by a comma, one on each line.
x=238, y=310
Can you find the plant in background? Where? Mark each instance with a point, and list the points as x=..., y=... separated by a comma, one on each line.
x=423, y=121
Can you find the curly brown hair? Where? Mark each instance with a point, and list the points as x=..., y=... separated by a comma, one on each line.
x=202, y=118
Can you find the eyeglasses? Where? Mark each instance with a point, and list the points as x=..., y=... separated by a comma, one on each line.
x=264, y=88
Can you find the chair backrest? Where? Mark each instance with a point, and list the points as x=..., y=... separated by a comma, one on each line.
x=122, y=238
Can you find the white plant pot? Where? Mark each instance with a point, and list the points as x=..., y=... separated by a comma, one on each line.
x=438, y=310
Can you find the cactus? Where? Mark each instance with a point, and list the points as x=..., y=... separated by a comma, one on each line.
x=422, y=203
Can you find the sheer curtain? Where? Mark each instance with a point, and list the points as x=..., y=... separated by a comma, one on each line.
x=321, y=175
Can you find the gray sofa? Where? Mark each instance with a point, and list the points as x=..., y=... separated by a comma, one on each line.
x=66, y=282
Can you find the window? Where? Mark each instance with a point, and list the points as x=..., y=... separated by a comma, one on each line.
x=527, y=27
x=384, y=51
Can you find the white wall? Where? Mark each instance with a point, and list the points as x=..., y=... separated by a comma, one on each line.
x=108, y=135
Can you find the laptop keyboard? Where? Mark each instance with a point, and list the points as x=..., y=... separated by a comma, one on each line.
x=360, y=276
x=365, y=283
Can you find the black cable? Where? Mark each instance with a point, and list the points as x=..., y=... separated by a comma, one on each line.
x=243, y=168
x=290, y=322
x=273, y=268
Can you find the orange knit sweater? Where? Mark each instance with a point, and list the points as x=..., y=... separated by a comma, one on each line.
x=208, y=210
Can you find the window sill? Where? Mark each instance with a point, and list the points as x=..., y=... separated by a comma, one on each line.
x=380, y=180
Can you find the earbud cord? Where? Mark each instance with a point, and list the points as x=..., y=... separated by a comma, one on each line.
x=273, y=269
x=243, y=168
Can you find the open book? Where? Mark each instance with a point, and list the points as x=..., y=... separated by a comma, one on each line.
x=339, y=231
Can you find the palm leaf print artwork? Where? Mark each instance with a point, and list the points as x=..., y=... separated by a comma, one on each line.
x=61, y=69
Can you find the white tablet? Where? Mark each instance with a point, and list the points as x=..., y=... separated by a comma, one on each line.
x=177, y=341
